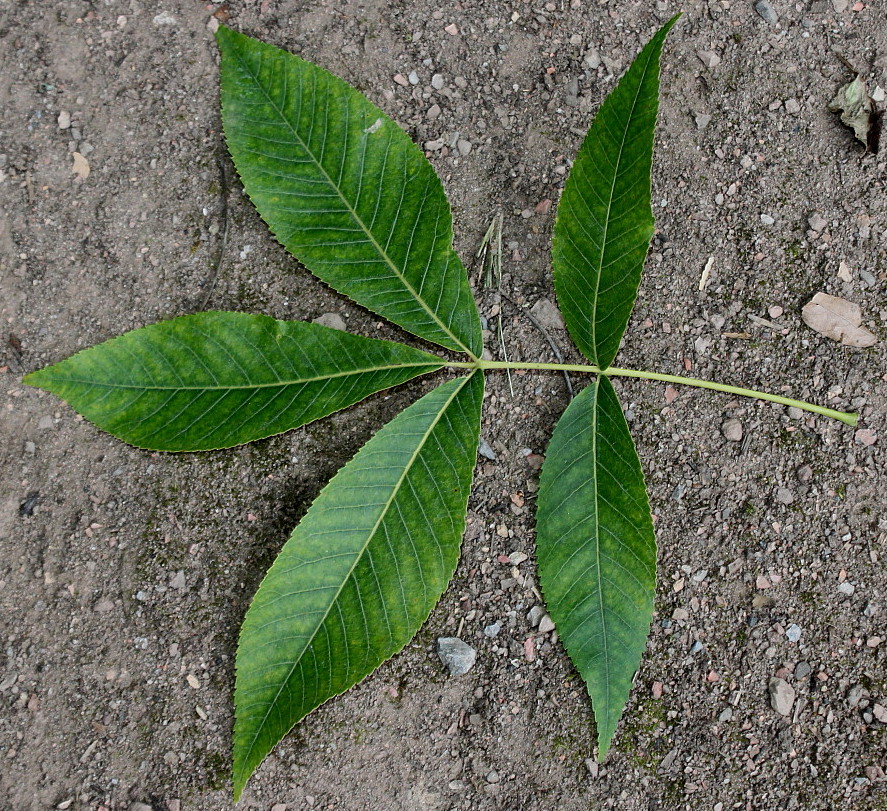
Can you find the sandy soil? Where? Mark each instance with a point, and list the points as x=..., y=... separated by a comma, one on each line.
x=124, y=575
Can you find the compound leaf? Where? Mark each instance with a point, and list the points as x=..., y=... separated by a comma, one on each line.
x=596, y=549
x=218, y=379
x=345, y=191
x=604, y=221
x=361, y=572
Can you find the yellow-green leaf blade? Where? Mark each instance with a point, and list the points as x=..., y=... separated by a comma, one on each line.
x=596, y=549
x=361, y=572
x=604, y=220
x=219, y=379
x=345, y=191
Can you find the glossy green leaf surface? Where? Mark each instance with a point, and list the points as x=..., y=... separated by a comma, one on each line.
x=345, y=190
x=218, y=379
x=604, y=220
x=361, y=572
x=596, y=549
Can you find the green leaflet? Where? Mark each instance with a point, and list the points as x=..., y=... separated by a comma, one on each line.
x=361, y=572
x=345, y=191
x=604, y=221
x=596, y=549
x=218, y=379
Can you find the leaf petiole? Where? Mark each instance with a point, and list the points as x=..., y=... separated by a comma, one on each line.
x=613, y=371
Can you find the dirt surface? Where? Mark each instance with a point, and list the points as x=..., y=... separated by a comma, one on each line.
x=124, y=575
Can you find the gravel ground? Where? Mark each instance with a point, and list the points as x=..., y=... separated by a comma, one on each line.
x=124, y=575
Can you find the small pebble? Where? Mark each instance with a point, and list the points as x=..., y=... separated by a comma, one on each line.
x=784, y=495
x=865, y=436
x=847, y=588
x=413, y=78
x=64, y=120
x=732, y=430
x=547, y=314
x=546, y=625
x=774, y=311
x=817, y=222
x=464, y=147
x=433, y=112
x=804, y=473
x=492, y=630
x=782, y=696
x=702, y=121
x=493, y=777
x=793, y=632
x=486, y=451
x=803, y=670
x=792, y=106
x=437, y=81
x=331, y=320
x=456, y=655
x=767, y=219
x=535, y=614
x=709, y=58
x=766, y=12
x=452, y=29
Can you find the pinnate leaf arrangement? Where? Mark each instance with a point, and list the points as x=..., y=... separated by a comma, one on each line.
x=344, y=189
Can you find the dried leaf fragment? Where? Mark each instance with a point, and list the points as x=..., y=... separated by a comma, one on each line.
x=838, y=319
x=858, y=112
x=81, y=166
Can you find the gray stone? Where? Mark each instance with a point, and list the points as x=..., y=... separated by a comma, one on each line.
x=784, y=495
x=709, y=58
x=793, y=633
x=485, y=450
x=493, y=629
x=767, y=12
x=535, y=614
x=456, y=655
x=546, y=625
x=331, y=320
x=782, y=696
x=732, y=430
x=547, y=314
x=464, y=147
x=802, y=670
x=437, y=81
x=816, y=221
